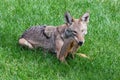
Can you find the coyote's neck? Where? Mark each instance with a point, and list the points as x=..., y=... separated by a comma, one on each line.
x=62, y=28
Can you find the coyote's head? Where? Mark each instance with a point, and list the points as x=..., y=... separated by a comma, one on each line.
x=77, y=28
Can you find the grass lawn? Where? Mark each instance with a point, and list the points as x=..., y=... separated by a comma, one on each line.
x=102, y=41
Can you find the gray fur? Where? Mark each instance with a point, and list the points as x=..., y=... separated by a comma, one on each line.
x=37, y=37
x=68, y=33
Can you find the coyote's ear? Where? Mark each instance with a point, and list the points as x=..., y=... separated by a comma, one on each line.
x=68, y=18
x=85, y=18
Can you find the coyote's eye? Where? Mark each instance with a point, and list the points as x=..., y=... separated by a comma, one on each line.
x=74, y=32
x=82, y=30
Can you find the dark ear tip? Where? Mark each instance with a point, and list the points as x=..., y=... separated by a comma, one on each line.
x=67, y=13
x=68, y=18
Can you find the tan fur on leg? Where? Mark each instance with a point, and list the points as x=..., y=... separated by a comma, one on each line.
x=58, y=47
x=24, y=42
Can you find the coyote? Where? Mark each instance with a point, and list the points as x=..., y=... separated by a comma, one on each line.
x=62, y=40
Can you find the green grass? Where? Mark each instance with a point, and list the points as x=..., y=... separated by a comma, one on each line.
x=102, y=41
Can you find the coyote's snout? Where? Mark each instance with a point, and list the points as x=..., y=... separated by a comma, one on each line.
x=63, y=40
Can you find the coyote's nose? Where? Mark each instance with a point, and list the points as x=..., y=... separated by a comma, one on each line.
x=80, y=43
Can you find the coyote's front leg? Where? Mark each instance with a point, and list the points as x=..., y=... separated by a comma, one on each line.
x=61, y=52
x=59, y=43
x=65, y=49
